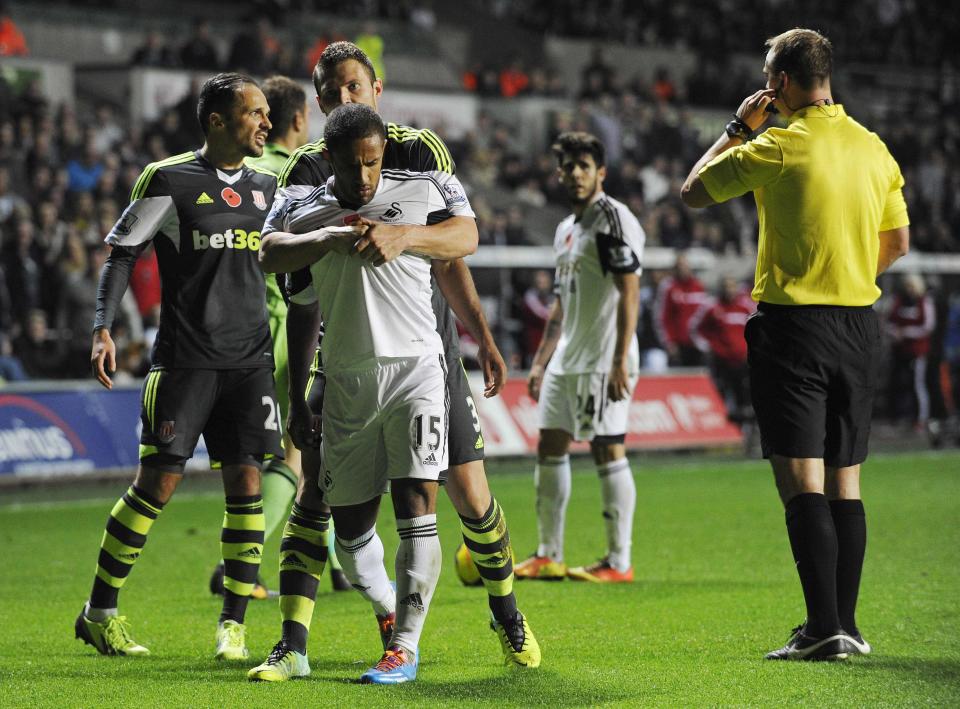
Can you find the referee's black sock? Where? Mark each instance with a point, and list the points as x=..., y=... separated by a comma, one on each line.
x=850, y=521
x=813, y=539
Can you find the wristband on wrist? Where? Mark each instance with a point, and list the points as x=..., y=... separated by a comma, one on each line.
x=738, y=129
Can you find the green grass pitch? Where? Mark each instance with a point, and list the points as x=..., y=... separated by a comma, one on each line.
x=715, y=589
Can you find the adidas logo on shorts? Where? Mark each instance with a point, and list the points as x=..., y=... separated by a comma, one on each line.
x=430, y=460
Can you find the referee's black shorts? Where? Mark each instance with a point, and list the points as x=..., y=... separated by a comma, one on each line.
x=813, y=376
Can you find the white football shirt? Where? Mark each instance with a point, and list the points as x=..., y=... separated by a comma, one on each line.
x=371, y=312
x=607, y=239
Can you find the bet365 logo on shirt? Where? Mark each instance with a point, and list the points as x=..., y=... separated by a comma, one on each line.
x=230, y=239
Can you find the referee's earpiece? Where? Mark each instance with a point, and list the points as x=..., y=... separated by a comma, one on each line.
x=770, y=108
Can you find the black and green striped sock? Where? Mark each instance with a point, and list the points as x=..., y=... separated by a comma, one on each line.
x=303, y=554
x=123, y=540
x=488, y=541
x=241, y=544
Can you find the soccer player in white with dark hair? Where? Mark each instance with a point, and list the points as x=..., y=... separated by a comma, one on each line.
x=591, y=345
x=385, y=408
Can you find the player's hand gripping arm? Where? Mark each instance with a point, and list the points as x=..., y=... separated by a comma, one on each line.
x=283, y=252
x=303, y=327
x=114, y=280
x=458, y=288
x=452, y=238
x=628, y=310
x=548, y=343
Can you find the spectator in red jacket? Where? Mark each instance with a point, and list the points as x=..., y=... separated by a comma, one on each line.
x=910, y=322
x=678, y=298
x=717, y=331
x=12, y=41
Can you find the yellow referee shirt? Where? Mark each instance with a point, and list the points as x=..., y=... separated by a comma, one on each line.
x=824, y=187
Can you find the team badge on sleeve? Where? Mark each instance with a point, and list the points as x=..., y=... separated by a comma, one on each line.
x=615, y=255
x=453, y=194
x=125, y=225
x=259, y=200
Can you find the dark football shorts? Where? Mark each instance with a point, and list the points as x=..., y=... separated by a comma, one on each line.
x=813, y=377
x=463, y=432
x=235, y=410
x=464, y=436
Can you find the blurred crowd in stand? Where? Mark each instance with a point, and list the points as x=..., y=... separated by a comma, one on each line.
x=66, y=173
x=905, y=32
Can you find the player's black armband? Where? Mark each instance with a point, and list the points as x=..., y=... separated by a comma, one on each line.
x=616, y=256
x=113, y=283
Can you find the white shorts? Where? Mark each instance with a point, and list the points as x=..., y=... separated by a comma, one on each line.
x=381, y=424
x=579, y=405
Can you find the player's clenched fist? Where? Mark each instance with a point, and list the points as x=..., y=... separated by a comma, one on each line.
x=303, y=426
x=381, y=242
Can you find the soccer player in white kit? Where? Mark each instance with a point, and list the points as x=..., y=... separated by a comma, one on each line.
x=385, y=410
x=591, y=345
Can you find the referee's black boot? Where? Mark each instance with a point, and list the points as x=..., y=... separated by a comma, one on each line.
x=837, y=646
x=861, y=646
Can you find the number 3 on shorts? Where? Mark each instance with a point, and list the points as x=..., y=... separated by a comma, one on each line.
x=272, y=422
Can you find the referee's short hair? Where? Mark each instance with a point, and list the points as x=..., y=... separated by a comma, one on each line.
x=578, y=142
x=218, y=94
x=285, y=97
x=333, y=55
x=350, y=122
x=806, y=56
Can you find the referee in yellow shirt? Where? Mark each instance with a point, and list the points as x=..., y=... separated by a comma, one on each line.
x=832, y=217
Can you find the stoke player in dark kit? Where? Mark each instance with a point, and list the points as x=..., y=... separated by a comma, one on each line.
x=212, y=358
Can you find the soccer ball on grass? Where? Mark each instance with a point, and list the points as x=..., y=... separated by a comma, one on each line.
x=465, y=568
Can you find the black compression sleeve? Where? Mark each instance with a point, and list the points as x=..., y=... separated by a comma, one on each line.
x=114, y=280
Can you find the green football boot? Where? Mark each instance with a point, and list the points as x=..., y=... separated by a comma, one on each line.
x=232, y=641
x=282, y=664
x=520, y=647
x=111, y=637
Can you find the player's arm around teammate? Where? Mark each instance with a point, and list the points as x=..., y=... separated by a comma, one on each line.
x=345, y=75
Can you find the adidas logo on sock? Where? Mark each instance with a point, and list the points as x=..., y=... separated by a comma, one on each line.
x=251, y=553
x=414, y=601
x=293, y=560
x=430, y=460
x=130, y=557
